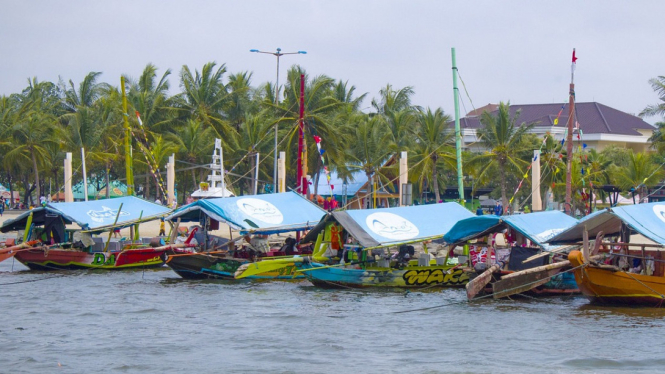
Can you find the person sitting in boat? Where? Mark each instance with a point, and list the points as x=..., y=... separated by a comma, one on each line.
x=258, y=243
x=289, y=247
x=403, y=256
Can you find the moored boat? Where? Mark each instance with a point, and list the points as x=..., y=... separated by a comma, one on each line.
x=373, y=248
x=53, y=246
x=255, y=218
x=617, y=271
x=523, y=262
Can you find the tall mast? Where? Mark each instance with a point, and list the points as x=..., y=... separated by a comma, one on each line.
x=129, y=169
x=458, y=134
x=302, y=187
x=569, y=138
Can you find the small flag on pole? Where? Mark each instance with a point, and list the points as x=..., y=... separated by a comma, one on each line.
x=139, y=118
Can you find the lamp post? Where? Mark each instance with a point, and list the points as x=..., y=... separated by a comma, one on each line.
x=277, y=54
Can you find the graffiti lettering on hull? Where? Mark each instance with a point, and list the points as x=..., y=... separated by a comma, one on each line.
x=435, y=276
x=100, y=259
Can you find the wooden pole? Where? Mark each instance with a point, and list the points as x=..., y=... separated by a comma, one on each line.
x=117, y=215
x=536, y=201
x=69, y=197
x=569, y=139
x=301, y=138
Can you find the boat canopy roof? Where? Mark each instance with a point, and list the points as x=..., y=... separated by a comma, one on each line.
x=537, y=226
x=646, y=219
x=266, y=214
x=385, y=227
x=96, y=215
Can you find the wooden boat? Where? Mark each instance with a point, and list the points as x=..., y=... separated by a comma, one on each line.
x=524, y=264
x=54, y=247
x=379, y=254
x=608, y=284
x=11, y=248
x=255, y=217
x=620, y=272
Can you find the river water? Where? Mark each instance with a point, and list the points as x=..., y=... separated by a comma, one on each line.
x=155, y=322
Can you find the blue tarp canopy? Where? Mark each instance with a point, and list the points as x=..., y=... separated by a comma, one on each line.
x=97, y=215
x=537, y=226
x=392, y=226
x=267, y=214
x=646, y=219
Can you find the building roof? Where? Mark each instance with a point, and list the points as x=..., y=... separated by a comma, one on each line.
x=594, y=118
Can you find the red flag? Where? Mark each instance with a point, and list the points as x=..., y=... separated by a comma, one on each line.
x=574, y=58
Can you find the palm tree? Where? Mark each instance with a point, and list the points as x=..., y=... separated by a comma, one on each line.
x=194, y=144
x=322, y=118
x=434, y=145
x=30, y=124
x=502, y=138
x=240, y=99
x=31, y=133
x=658, y=85
x=150, y=98
x=395, y=109
x=88, y=92
x=367, y=149
x=203, y=98
x=640, y=173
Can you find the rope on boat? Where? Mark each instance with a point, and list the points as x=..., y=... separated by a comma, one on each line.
x=645, y=285
x=486, y=296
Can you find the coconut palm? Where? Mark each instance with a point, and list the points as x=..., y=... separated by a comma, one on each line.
x=203, y=98
x=150, y=97
x=367, y=149
x=658, y=85
x=194, y=144
x=502, y=138
x=639, y=174
x=321, y=119
x=434, y=146
x=395, y=109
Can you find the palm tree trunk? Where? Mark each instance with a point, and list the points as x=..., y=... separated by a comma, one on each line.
x=11, y=191
x=193, y=179
x=502, y=169
x=108, y=184
x=370, y=189
x=435, y=182
x=146, y=190
x=34, y=166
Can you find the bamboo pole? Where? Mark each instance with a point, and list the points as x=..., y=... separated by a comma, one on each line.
x=117, y=215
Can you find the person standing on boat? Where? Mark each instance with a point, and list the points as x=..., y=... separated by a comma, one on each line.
x=479, y=211
x=498, y=209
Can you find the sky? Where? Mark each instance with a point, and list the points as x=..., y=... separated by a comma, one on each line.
x=516, y=51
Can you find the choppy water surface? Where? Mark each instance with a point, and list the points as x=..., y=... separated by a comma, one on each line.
x=153, y=321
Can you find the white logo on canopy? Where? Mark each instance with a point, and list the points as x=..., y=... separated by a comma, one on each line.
x=659, y=211
x=105, y=213
x=261, y=210
x=391, y=226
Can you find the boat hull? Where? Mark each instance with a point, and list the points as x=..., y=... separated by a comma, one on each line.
x=63, y=259
x=209, y=266
x=607, y=286
x=409, y=277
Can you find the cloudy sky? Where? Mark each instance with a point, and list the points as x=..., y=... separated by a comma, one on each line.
x=517, y=51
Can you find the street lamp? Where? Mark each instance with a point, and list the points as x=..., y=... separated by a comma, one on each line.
x=277, y=54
